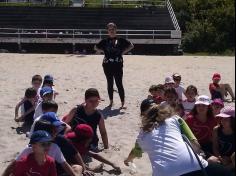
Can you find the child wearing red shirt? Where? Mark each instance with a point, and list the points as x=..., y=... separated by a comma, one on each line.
x=38, y=162
x=81, y=139
x=202, y=121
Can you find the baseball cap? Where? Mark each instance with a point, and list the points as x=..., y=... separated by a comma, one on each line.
x=169, y=80
x=81, y=130
x=52, y=118
x=203, y=99
x=146, y=104
x=45, y=90
x=48, y=78
x=40, y=136
x=226, y=112
x=216, y=76
x=218, y=101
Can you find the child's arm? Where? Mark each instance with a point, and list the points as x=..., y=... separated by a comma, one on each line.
x=70, y=116
x=22, y=118
x=103, y=133
x=18, y=107
x=215, y=144
x=136, y=152
x=103, y=160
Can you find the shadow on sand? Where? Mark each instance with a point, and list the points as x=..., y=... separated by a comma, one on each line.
x=109, y=112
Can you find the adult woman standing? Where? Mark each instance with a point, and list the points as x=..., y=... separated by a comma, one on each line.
x=114, y=48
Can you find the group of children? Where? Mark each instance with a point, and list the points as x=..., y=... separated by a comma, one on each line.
x=211, y=123
x=64, y=146
x=58, y=146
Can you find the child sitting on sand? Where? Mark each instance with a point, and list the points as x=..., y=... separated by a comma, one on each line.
x=224, y=138
x=172, y=100
x=169, y=82
x=191, y=94
x=218, y=90
x=38, y=162
x=36, y=83
x=48, y=81
x=217, y=105
x=29, y=104
x=179, y=89
x=81, y=139
x=201, y=120
x=157, y=93
x=87, y=113
x=46, y=94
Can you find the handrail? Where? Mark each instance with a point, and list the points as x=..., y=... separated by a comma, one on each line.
x=128, y=3
x=101, y=3
x=173, y=16
x=75, y=33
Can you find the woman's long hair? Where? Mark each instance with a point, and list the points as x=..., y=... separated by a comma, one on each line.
x=210, y=113
x=156, y=116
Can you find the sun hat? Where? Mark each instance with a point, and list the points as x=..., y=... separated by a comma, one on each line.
x=226, y=112
x=169, y=80
x=203, y=99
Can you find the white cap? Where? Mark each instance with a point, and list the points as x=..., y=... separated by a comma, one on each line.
x=169, y=79
x=203, y=99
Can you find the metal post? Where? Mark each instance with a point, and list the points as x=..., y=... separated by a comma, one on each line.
x=127, y=34
x=46, y=33
x=73, y=47
x=153, y=33
x=100, y=34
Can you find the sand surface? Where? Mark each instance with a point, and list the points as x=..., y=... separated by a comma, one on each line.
x=74, y=74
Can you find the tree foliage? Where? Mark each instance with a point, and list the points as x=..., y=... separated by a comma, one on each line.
x=208, y=25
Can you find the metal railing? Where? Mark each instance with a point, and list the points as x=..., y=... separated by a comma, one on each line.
x=172, y=14
x=127, y=3
x=82, y=33
x=87, y=3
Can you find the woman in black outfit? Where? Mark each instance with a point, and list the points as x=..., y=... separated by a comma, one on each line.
x=114, y=48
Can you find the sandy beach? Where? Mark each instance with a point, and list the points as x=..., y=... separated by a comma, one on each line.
x=74, y=74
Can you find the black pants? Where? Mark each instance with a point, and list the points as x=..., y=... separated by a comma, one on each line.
x=212, y=170
x=114, y=73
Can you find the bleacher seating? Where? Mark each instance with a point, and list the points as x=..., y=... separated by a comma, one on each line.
x=157, y=18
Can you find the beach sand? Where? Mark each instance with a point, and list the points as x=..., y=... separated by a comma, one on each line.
x=74, y=74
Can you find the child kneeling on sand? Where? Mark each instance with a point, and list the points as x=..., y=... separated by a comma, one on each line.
x=38, y=162
x=87, y=113
x=29, y=107
x=81, y=139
